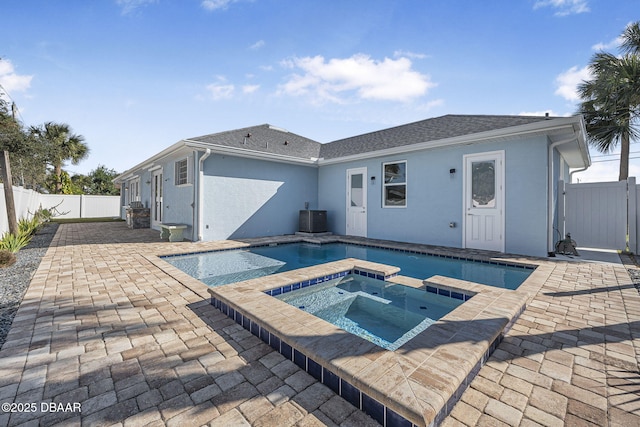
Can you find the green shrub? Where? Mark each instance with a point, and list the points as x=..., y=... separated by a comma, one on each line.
x=7, y=259
x=12, y=243
x=28, y=226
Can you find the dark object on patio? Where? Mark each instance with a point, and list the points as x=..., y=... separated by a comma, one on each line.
x=567, y=246
x=7, y=259
x=312, y=221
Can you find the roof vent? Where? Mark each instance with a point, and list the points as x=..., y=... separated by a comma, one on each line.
x=546, y=115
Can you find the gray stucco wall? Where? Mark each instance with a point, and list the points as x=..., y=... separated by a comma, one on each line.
x=251, y=198
x=435, y=197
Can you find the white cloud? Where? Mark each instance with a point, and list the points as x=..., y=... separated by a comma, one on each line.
x=407, y=54
x=221, y=89
x=613, y=44
x=564, y=7
x=257, y=45
x=129, y=6
x=10, y=80
x=336, y=79
x=568, y=81
x=212, y=5
x=250, y=88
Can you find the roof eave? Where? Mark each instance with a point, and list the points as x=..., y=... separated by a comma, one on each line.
x=243, y=152
x=219, y=149
x=541, y=127
x=171, y=150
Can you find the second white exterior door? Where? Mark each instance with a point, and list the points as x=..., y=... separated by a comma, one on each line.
x=484, y=201
x=357, y=202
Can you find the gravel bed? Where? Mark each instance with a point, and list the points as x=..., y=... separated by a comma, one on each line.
x=14, y=280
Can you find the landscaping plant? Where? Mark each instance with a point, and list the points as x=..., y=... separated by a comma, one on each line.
x=29, y=226
x=12, y=243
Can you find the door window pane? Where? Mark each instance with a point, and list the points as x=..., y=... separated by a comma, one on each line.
x=356, y=190
x=483, y=184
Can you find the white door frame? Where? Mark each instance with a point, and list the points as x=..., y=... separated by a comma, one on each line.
x=356, y=216
x=493, y=217
x=156, y=198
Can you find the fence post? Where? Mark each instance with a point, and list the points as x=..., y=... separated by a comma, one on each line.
x=632, y=212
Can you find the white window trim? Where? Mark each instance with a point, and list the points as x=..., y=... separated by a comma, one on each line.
x=130, y=184
x=406, y=183
x=189, y=172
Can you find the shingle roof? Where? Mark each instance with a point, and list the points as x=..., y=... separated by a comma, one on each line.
x=434, y=129
x=266, y=139
x=269, y=139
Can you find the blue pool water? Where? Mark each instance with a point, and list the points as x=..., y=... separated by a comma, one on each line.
x=223, y=267
x=384, y=313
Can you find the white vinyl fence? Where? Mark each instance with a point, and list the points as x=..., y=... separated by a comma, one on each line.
x=67, y=206
x=602, y=215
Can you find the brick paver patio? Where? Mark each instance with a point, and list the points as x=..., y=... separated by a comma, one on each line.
x=102, y=326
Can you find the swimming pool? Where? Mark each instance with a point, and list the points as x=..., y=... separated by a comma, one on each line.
x=384, y=313
x=223, y=267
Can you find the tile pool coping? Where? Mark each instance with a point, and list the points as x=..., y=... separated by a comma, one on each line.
x=445, y=352
x=419, y=383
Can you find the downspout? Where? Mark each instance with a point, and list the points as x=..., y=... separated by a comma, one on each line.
x=576, y=171
x=201, y=193
x=552, y=147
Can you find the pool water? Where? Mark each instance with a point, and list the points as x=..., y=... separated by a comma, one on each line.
x=222, y=267
x=384, y=313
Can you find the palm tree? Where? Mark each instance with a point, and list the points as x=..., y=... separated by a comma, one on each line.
x=611, y=100
x=61, y=145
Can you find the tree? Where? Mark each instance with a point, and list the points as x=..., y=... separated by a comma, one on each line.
x=12, y=139
x=60, y=145
x=64, y=182
x=101, y=181
x=611, y=99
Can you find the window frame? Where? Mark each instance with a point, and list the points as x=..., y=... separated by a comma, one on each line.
x=133, y=196
x=177, y=172
x=385, y=205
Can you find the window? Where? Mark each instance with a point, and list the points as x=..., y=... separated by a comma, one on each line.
x=134, y=190
x=394, y=188
x=182, y=172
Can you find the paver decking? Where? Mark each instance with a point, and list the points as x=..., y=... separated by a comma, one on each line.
x=103, y=326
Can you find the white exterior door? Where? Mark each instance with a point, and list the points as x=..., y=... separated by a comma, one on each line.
x=484, y=201
x=357, y=202
x=156, y=198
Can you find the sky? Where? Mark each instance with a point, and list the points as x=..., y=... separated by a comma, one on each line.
x=136, y=76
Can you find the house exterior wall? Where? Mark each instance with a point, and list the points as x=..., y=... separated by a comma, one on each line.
x=142, y=175
x=435, y=196
x=178, y=200
x=251, y=198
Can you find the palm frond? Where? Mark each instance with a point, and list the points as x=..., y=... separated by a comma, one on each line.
x=631, y=39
